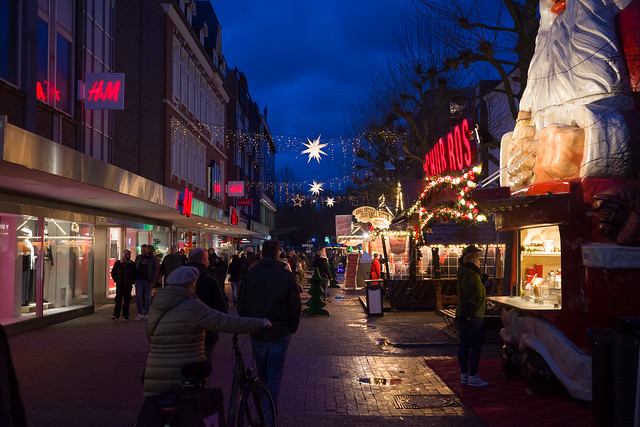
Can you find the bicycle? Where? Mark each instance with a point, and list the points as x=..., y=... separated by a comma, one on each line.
x=256, y=407
x=192, y=402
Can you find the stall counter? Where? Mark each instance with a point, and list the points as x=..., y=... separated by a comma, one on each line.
x=521, y=304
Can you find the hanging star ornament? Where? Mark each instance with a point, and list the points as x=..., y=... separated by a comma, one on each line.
x=314, y=149
x=297, y=201
x=330, y=201
x=316, y=188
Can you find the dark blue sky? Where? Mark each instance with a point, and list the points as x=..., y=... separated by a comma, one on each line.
x=306, y=61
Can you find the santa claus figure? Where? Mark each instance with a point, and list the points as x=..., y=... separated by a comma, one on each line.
x=577, y=110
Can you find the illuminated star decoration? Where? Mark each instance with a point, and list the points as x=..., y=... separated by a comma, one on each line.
x=314, y=149
x=316, y=188
x=330, y=201
x=297, y=201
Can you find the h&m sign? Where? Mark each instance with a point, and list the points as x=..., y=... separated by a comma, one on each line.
x=103, y=91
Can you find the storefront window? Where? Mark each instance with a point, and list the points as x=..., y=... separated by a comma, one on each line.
x=58, y=263
x=121, y=238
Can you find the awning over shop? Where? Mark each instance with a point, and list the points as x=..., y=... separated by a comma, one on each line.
x=33, y=167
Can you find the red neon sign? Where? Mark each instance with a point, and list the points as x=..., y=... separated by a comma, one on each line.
x=99, y=93
x=104, y=91
x=457, y=152
x=234, y=217
x=42, y=91
x=235, y=188
x=183, y=204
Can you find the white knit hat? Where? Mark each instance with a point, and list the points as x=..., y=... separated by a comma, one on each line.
x=182, y=275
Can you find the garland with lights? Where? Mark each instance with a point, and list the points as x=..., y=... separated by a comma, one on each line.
x=463, y=210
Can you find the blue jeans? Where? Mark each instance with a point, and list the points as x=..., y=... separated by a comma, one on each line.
x=234, y=290
x=471, y=341
x=270, y=357
x=325, y=287
x=143, y=287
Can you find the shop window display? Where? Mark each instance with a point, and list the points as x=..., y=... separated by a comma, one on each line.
x=59, y=261
x=540, y=264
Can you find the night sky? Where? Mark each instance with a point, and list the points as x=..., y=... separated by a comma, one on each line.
x=306, y=61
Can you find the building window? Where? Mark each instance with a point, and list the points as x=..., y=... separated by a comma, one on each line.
x=175, y=69
x=98, y=58
x=9, y=58
x=55, y=42
x=188, y=156
x=215, y=179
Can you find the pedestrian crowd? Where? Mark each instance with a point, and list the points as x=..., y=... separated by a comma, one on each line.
x=184, y=300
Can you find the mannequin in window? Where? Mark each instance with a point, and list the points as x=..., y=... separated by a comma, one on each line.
x=28, y=265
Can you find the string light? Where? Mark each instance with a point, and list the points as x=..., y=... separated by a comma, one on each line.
x=462, y=210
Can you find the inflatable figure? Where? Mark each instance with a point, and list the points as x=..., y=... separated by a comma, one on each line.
x=577, y=111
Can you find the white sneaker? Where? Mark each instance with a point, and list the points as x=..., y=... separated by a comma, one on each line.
x=475, y=381
x=464, y=378
x=139, y=317
x=145, y=317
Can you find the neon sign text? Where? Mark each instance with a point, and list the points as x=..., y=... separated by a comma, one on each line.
x=456, y=152
x=103, y=91
x=235, y=188
x=42, y=91
x=99, y=93
x=183, y=204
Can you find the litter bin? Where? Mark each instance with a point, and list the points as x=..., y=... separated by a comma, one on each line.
x=374, y=300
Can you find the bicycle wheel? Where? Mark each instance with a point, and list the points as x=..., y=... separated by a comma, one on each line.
x=257, y=407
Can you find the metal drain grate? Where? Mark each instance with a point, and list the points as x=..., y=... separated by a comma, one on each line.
x=426, y=401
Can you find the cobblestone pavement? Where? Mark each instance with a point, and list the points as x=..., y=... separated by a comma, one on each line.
x=343, y=370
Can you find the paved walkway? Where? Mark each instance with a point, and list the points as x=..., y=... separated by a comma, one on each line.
x=342, y=370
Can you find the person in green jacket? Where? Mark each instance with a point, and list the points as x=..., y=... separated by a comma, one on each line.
x=470, y=316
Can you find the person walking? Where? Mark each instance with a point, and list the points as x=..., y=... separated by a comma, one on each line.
x=171, y=262
x=376, y=270
x=470, y=312
x=220, y=271
x=236, y=273
x=146, y=274
x=322, y=264
x=175, y=329
x=269, y=290
x=208, y=290
x=124, y=274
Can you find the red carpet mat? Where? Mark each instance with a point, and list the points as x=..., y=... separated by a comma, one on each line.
x=505, y=402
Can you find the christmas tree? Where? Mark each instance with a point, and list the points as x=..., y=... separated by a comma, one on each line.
x=315, y=303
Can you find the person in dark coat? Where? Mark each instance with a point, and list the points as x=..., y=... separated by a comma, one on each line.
x=322, y=264
x=172, y=262
x=124, y=274
x=208, y=290
x=236, y=273
x=213, y=258
x=470, y=313
x=269, y=290
x=220, y=270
